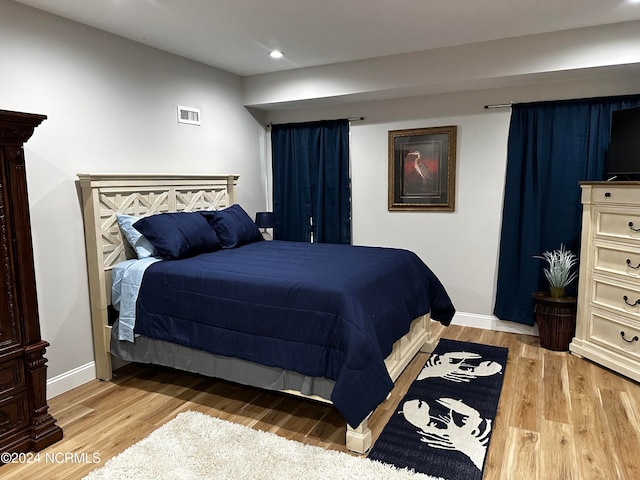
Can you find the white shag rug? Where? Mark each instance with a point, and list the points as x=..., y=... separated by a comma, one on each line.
x=196, y=446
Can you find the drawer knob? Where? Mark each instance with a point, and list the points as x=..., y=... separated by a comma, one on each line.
x=607, y=194
x=634, y=339
x=634, y=229
x=626, y=300
x=631, y=266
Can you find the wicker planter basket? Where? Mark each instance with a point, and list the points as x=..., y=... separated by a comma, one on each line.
x=556, y=319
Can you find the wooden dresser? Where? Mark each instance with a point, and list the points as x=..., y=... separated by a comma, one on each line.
x=608, y=314
x=25, y=423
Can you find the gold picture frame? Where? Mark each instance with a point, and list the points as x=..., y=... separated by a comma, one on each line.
x=422, y=169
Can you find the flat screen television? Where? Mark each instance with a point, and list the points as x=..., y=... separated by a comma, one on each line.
x=624, y=148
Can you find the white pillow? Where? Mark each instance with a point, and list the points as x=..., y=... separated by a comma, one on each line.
x=140, y=244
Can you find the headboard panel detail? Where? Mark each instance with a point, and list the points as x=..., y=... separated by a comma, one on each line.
x=105, y=195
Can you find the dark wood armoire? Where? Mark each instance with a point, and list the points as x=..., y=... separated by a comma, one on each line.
x=25, y=423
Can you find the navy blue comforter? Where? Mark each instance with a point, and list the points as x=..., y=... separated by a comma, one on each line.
x=318, y=309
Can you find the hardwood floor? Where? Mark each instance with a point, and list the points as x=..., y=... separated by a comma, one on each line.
x=559, y=416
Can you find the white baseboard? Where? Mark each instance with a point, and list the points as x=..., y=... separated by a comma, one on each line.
x=69, y=380
x=489, y=322
x=85, y=373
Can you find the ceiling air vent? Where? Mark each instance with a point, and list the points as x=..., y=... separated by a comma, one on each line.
x=188, y=115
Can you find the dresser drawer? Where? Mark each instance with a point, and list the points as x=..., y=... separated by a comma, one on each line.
x=614, y=224
x=612, y=194
x=618, y=260
x=11, y=376
x=615, y=336
x=13, y=413
x=617, y=296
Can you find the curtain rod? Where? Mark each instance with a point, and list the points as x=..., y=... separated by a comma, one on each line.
x=499, y=105
x=350, y=119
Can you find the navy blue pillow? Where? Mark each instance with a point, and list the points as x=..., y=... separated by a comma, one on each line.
x=179, y=234
x=233, y=226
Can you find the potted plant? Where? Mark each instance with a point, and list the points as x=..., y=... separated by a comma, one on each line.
x=556, y=314
x=559, y=273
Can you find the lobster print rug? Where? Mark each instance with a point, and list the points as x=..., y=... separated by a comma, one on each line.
x=443, y=425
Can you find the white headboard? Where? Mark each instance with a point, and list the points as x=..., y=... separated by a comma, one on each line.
x=104, y=195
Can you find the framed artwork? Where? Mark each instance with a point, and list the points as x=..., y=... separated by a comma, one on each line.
x=422, y=169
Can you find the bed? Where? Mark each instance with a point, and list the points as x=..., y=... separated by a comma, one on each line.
x=285, y=317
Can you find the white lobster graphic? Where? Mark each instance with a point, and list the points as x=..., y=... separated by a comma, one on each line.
x=455, y=366
x=462, y=429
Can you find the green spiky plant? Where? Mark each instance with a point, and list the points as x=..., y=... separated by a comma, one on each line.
x=559, y=274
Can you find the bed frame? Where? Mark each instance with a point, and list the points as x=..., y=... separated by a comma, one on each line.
x=104, y=195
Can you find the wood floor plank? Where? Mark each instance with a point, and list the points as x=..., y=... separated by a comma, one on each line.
x=529, y=346
x=605, y=378
x=329, y=431
x=625, y=447
x=522, y=456
x=592, y=454
x=555, y=387
x=524, y=402
x=634, y=400
x=493, y=463
x=581, y=379
x=558, y=458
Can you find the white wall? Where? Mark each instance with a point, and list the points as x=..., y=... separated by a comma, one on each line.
x=111, y=107
x=460, y=247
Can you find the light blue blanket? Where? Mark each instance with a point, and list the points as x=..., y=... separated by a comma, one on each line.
x=126, y=278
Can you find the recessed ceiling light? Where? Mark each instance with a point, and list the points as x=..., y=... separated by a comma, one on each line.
x=276, y=54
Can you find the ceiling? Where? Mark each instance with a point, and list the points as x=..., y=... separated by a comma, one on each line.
x=236, y=35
